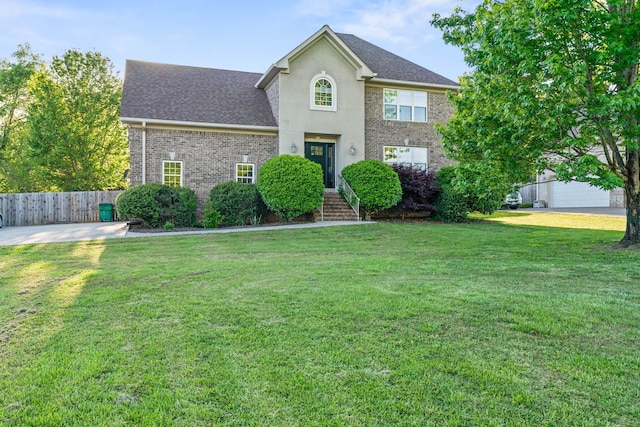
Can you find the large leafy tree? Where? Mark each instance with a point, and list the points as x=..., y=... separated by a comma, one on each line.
x=74, y=134
x=14, y=99
x=14, y=95
x=554, y=86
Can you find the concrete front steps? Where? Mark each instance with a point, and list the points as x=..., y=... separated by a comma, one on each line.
x=334, y=208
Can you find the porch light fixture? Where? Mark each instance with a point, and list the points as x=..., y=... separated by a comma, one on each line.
x=352, y=150
x=293, y=147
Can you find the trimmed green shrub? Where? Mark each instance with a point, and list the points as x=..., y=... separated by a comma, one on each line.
x=291, y=185
x=485, y=203
x=140, y=203
x=181, y=206
x=451, y=206
x=212, y=217
x=459, y=197
x=237, y=202
x=155, y=204
x=375, y=183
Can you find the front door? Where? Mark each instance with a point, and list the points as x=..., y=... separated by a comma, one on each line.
x=323, y=153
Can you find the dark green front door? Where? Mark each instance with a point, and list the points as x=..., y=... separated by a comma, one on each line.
x=323, y=153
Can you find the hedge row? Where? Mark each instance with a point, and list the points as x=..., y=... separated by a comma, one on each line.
x=291, y=186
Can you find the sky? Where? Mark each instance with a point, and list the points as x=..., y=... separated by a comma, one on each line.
x=242, y=35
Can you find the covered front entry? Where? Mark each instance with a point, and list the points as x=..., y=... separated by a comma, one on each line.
x=324, y=154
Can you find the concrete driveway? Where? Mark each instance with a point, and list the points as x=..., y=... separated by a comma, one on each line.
x=34, y=234
x=10, y=236
x=586, y=211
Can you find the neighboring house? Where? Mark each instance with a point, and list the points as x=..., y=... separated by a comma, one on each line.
x=549, y=192
x=557, y=194
x=335, y=99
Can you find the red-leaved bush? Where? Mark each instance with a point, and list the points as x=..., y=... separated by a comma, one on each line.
x=419, y=189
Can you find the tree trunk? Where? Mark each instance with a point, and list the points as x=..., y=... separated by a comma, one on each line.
x=632, y=233
x=632, y=199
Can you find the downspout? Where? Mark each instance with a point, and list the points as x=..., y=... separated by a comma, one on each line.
x=144, y=152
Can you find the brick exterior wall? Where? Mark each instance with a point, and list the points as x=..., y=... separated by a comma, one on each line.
x=208, y=158
x=380, y=132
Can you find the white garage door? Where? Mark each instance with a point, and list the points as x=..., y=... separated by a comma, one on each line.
x=577, y=195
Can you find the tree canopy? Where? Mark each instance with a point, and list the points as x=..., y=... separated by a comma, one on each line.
x=61, y=130
x=554, y=87
x=14, y=99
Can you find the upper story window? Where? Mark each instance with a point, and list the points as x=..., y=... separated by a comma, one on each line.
x=323, y=93
x=405, y=105
x=172, y=173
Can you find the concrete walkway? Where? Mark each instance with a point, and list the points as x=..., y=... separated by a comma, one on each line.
x=11, y=236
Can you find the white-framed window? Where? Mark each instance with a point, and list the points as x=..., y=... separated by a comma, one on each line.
x=405, y=105
x=323, y=93
x=414, y=156
x=244, y=173
x=172, y=173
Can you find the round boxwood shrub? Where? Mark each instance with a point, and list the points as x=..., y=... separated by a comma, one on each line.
x=291, y=185
x=140, y=203
x=238, y=203
x=156, y=204
x=375, y=183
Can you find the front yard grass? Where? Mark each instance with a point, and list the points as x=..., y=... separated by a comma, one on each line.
x=488, y=323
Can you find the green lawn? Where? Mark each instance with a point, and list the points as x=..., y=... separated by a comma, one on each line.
x=494, y=323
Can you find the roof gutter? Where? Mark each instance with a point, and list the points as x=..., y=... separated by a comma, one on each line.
x=409, y=83
x=267, y=77
x=180, y=123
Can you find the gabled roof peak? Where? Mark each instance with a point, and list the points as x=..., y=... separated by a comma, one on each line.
x=370, y=62
x=324, y=33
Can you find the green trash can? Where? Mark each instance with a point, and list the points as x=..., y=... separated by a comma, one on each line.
x=106, y=212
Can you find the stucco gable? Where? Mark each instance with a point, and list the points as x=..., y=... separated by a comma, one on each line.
x=362, y=71
x=176, y=93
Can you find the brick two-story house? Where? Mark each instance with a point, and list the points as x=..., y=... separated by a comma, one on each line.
x=335, y=99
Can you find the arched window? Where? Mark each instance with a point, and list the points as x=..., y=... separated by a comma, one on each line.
x=323, y=93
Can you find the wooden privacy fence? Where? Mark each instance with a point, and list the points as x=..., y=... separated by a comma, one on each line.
x=48, y=208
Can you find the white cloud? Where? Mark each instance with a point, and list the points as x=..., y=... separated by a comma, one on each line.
x=396, y=21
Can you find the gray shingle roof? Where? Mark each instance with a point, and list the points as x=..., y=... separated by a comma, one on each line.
x=154, y=91
x=192, y=94
x=390, y=66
